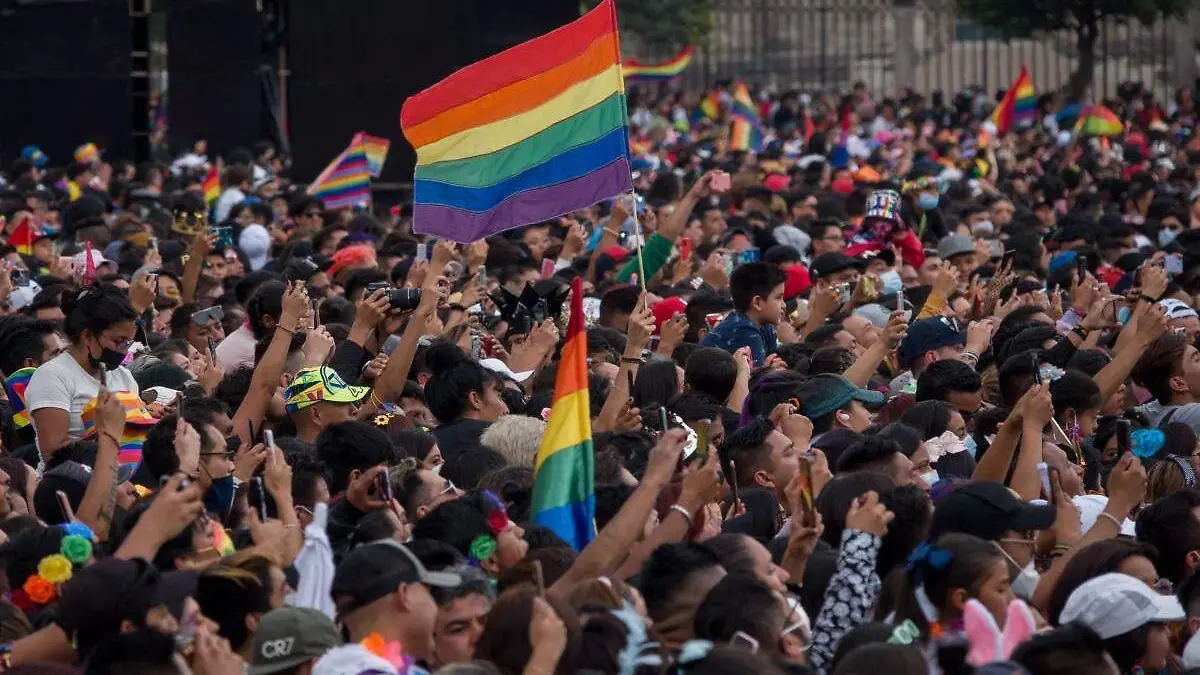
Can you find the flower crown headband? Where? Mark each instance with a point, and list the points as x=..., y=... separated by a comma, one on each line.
x=56, y=569
x=484, y=546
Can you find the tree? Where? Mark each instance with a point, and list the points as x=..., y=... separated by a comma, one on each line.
x=665, y=25
x=1081, y=17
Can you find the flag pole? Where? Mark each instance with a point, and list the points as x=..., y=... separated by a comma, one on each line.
x=637, y=233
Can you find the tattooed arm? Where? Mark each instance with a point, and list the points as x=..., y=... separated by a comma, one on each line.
x=100, y=499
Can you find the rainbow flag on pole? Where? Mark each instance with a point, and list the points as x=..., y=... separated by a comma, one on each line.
x=746, y=128
x=377, y=150
x=564, y=497
x=212, y=186
x=636, y=71
x=1018, y=105
x=347, y=179
x=526, y=135
x=1097, y=120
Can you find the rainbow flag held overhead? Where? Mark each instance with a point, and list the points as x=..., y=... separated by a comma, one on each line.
x=22, y=236
x=746, y=128
x=347, y=179
x=1018, y=105
x=16, y=384
x=529, y=134
x=377, y=150
x=564, y=497
x=1097, y=120
x=212, y=186
x=636, y=71
x=710, y=107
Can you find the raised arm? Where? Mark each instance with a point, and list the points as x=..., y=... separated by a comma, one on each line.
x=860, y=371
x=202, y=243
x=268, y=370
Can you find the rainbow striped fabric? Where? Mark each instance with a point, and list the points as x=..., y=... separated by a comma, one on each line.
x=1018, y=105
x=22, y=236
x=16, y=384
x=636, y=71
x=529, y=134
x=212, y=186
x=710, y=106
x=138, y=422
x=564, y=497
x=1097, y=120
x=347, y=179
x=377, y=150
x=746, y=129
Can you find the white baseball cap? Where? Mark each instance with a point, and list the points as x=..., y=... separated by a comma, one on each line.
x=501, y=368
x=1177, y=309
x=1115, y=604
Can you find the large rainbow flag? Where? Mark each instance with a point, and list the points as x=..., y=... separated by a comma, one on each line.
x=746, y=128
x=636, y=71
x=564, y=497
x=377, y=150
x=1098, y=120
x=212, y=186
x=347, y=179
x=529, y=134
x=1018, y=105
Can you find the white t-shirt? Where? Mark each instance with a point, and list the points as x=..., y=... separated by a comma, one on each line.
x=61, y=383
x=237, y=349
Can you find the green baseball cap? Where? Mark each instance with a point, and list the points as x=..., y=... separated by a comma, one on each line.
x=289, y=636
x=823, y=394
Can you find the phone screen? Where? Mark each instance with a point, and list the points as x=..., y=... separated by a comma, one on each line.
x=703, y=436
x=1123, y=431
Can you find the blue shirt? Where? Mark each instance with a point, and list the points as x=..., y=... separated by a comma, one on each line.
x=737, y=331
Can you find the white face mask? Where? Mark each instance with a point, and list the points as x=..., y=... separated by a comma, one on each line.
x=930, y=477
x=891, y=281
x=1026, y=581
x=437, y=470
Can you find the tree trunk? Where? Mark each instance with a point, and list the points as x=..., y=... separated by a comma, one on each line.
x=1079, y=81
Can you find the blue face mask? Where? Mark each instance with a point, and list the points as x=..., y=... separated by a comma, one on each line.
x=927, y=202
x=891, y=281
x=972, y=446
x=1165, y=236
x=219, y=497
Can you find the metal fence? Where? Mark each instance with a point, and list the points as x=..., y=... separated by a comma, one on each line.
x=830, y=44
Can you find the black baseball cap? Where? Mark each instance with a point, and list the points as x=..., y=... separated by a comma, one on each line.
x=832, y=263
x=988, y=510
x=373, y=570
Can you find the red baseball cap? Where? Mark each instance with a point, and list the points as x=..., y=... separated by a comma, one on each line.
x=665, y=309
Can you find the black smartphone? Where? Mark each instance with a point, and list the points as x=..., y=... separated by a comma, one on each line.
x=1006, y=260
x=1054, y=480
x=383, y=487
x=630, y=374
x=1124, y=428
x=212, y=348
x=733, y=487
x=1081, y=267
x=662, y=418
x=1037, y=368
x=258, y=497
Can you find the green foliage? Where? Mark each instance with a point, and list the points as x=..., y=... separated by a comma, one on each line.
x=1016, y=20
x=665, y=24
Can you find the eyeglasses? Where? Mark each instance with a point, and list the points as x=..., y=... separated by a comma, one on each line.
x=122, y=346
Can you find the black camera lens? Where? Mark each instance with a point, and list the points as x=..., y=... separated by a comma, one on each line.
x=404, y=299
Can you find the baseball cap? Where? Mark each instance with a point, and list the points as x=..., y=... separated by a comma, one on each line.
x=289, y=636
x=1114, y=604
x=954, y=244
x=987, y=510
x=313, y=385
x=373, y=570
x=1177, y=309
x=80, y=259
x=22, y=296
x=501, y=368
x=833, y=262
x=828, y=392
x=928, y=334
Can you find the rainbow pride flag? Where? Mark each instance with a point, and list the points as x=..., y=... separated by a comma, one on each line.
x=212, y=186
x=16, y=384
x=746, y=128
x=529, y=134
x=22, y=236
x=347, y=179
x=564, y=497
x=377, y=150
x=636, y=71
x=138, y=422
x=1099, y=121
x=1018, y=105
x=710, y=107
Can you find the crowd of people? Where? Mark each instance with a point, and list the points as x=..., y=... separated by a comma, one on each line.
x=893, y=394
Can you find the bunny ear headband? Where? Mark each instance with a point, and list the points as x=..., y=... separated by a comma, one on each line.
x=987, y=643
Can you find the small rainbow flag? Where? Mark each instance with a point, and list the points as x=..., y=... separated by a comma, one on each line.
x=529, y=134
x=22, y=236
x=1018, y=105
x=1099, y=121
x=636, y=71
x=564, y=497
x=347, y=179
x=746, y=128
x=87, y=153
x=212, y=186
x=16, y=384
x=377, y=150
x=138, y=422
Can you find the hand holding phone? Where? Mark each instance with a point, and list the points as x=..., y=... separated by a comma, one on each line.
x=703, y=431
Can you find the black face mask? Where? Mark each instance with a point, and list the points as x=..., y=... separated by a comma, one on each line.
x=111, y=358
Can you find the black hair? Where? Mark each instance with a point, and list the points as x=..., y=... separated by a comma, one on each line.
x=929, y=418
x=267, y=300
x=609, y=500
x=754, y=280
x=665, y=575
x=455, y=376
x=869, y=453
x=873, y=632
x=1016, y=375
x=306, y=472
x=1073, y=649
x=22, y=340
x=621, y=299
x=228, y=592
x=833, y=360
x=158, y=450
x=823, y=336
x=457, y=522
x=885, y=657
x=941, y=378
x=141, y=652
x=740, y=602
x=234, y=386
x=514, y=486
x=336, y=309
x=770, y=388
x=1169, y=526
x=747, y=447
x=1158, y=363
x=1089, y=361
x=907, y=438
x=358, y=280
x=469, y=465
x=1075, y=391
x=352, y=446
x=1101, y=557
x=245, y=287
x=655, y=384
x=95, y=308
x=913, y=514
x=413, y=443
x=970, y=559
x=711, y=372
x=161, y=374
x=835, y=499
x=691, y=407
